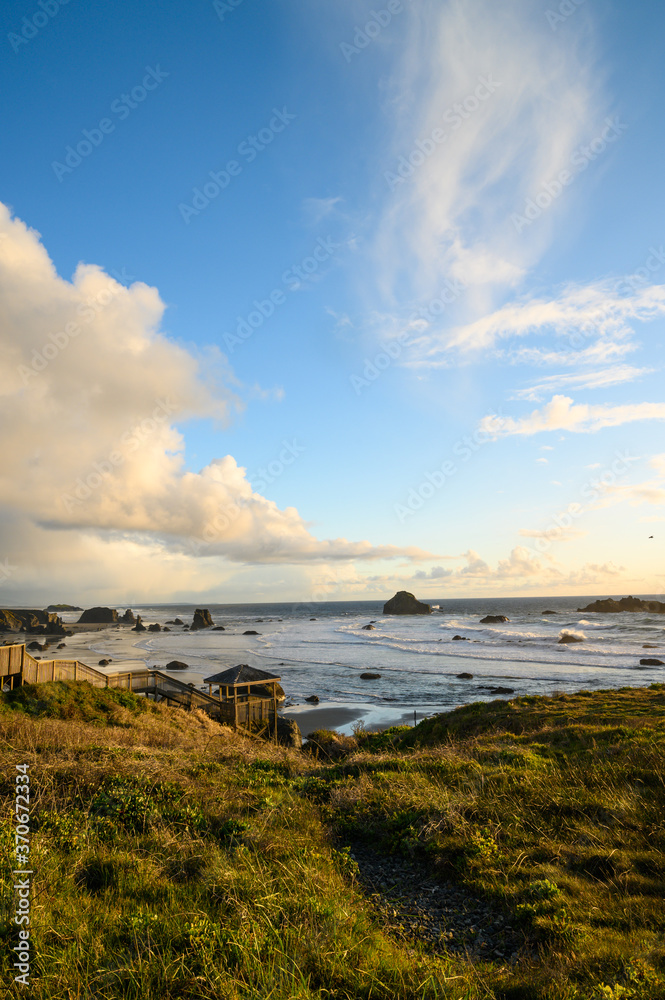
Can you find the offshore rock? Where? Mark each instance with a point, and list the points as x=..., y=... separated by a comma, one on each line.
x=98, y=616
x=634, y=604
x=202, y=619
x=404, y=603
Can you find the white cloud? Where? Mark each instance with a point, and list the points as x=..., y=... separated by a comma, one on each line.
x=317, y=209
x=585, y=380
x=451, y=217
x=91, y=394
x=562, y=413
x=595, y=310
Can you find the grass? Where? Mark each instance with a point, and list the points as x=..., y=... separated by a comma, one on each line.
x=174, y=858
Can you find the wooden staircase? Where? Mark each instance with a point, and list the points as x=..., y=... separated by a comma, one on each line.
x=18, y=667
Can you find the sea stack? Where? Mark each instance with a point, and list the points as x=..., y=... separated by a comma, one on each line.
x=404, y=603
x=202, y=619
x=99, y=616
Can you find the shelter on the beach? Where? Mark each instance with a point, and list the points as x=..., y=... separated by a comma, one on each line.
x=251, y=692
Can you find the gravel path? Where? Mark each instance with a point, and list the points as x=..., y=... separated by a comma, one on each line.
x=443, y=915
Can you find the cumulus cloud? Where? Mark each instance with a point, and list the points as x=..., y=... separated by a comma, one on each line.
x=562, y=413
x=93, y=395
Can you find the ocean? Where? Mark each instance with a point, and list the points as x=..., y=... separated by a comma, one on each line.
x=416, y=656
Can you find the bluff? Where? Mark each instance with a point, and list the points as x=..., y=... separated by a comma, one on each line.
x=34, y=622
x=610, y=606
x=404, y=603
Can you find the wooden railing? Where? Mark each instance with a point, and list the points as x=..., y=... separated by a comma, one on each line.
x=17, y=667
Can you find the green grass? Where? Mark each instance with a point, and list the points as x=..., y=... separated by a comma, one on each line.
x=176, y=859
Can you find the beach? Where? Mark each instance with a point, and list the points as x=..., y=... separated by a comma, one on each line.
x=325, y=650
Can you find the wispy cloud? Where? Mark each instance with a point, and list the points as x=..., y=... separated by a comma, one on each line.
x=450, y=216
x=595, y=312
x=562, y=413
x=602, y=379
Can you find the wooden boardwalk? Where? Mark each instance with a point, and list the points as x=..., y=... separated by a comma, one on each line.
x=18, y=667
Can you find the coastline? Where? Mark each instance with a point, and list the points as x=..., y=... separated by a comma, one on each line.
x=379, y=678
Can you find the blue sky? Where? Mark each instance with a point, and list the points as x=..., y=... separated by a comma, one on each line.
x=441, y=223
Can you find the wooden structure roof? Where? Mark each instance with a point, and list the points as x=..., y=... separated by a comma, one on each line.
x=242, y=674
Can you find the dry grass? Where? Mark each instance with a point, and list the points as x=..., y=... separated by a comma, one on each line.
x=174, y=858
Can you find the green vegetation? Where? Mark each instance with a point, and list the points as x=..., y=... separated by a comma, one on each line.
x=175, y=859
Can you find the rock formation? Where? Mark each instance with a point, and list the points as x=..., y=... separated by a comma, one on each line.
x=404, y=603
x=610, y=606
x=98, y=616
x=288, y=733
x=493, y=619
x=650, y=661
x=313, y=699
x=33, y=622
x=202, y=619
x=128, y=617
x=464, y=677
x=370, y=677
x=139, y=627
x=368, y=628
x=567, y=637
x=177, y=665
x=251, y=632
x=154, y=628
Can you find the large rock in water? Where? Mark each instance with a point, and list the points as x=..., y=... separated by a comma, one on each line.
x=98, y=616
x=139, y=627
x=404, y=603
x=128, y=617
x=202, y=619
x=493, y=619
x=610, y=606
